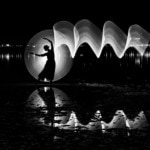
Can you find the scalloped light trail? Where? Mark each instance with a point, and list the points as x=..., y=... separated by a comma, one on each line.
x=86, y=32
x=67, y=38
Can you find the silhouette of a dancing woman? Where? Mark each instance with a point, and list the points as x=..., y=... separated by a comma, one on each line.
x=49, y=68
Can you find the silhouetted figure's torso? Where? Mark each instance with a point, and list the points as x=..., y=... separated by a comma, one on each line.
x=48, y=71
x=49, y=68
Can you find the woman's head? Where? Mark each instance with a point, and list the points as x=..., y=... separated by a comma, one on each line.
x=46, y=47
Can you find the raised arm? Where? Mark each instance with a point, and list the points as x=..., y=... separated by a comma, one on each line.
x=52, y=47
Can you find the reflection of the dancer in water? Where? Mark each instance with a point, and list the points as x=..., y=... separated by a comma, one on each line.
x=48, y=71
x=49, y=98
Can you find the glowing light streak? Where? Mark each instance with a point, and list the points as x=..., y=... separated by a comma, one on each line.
x=86, y=32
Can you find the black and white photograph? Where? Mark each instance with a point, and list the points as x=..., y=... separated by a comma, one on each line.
x=75, y=78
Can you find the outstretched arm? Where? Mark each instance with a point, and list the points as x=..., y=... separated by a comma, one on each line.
x=41, y=55
x=49, y=42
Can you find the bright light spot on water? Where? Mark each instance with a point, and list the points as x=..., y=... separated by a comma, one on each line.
x=45, y=88
x=7, y=57
x=137, y=61
x=8, y=45
x=98, y=114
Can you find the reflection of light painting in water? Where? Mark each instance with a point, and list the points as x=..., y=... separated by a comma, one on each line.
x=35, y=100
x=66, y=118
x=68, y=38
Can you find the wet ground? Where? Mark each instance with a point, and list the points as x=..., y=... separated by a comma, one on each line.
x=75, y=117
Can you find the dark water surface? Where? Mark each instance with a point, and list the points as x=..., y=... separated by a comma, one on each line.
x=74, y=117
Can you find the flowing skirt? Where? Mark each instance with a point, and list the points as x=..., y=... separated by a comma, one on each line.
x=48, y=71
